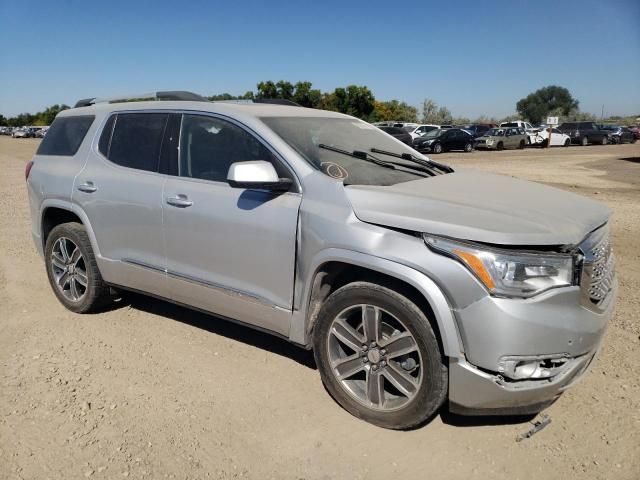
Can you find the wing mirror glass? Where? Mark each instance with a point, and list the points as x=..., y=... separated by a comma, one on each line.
x=257, y=174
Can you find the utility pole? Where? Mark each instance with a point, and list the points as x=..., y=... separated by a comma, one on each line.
x=602, y=114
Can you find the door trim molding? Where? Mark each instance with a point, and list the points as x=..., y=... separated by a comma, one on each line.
x=234, y=292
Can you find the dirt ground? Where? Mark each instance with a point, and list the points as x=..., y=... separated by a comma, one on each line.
x=151, y=390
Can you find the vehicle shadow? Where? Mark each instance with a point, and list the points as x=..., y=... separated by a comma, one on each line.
x=220, y=326
x=456, y=420
x=631, y=159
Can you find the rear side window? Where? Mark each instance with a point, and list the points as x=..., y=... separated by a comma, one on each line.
x=136, y=140
x=65, y=135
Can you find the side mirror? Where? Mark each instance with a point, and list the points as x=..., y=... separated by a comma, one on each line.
x=257, y=174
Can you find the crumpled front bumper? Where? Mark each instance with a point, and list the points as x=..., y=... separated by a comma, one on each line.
x=553, y=325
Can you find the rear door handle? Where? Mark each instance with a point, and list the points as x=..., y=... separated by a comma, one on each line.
x=180, y=201
x=87, y=187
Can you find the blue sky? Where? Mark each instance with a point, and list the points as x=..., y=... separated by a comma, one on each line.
x=477, y=57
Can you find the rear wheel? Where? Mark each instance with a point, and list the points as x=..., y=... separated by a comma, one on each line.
x=378, y=356
x=521, y=145
x=72, y=269
x=584, y=142
x=468, y=147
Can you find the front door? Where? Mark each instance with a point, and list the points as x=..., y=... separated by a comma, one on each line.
x=230, y=251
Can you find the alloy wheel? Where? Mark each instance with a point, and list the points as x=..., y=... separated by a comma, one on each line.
x=69, y=269
x=374, y=357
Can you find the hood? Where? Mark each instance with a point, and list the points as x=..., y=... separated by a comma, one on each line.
x=480, y=207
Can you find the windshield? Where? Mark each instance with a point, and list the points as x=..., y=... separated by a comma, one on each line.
x=306, y=134
x=495, y=132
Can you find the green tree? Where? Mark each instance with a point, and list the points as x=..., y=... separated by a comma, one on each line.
x=284, y=89
x=306, y=96
x=537, y=105
x=47, y=116
x=267, y=89
x=432, y=113
x=3, y=121
x=393, y=110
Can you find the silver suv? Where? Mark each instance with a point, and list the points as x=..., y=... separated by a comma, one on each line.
x=414, y=284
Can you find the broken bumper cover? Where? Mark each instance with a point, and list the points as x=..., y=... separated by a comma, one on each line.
x=475, y=392
x=554, y=336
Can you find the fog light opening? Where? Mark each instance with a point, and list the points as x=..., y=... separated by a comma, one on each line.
x=523, y=368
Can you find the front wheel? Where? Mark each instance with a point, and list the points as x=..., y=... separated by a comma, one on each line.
x=521, y=145
x=437, y=148
x=604, y=141
x=500, y=146
x=468, y=147
x=72, y=269
x=567, y=142
x=584, y=142
x=378, y=356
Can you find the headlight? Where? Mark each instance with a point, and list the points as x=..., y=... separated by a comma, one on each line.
x=506, y=273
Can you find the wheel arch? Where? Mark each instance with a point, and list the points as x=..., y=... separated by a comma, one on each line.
x=336, y=268
x=55, y=212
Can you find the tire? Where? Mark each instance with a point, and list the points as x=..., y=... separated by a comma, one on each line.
x=567, y=143
x=544, y=143
x=521, y=145
x=500, y=146
x=79, y=267
x=468, y=147
x=584, y=141
x=604, y=141
x=437, y=148
x=366, y=364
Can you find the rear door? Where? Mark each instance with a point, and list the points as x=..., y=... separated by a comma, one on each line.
x=230, y=251
x=120, y=190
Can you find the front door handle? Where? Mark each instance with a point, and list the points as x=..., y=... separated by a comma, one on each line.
x=180, y=201
x=87, y=187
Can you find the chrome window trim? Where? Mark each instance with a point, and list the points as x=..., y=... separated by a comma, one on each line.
x=182, y=112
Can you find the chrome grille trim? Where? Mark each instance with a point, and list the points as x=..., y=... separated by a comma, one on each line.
x=598, y=269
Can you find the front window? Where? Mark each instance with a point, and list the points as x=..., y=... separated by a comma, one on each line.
x=306, y=134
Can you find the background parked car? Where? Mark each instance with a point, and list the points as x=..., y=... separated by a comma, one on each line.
x=584, y=133
x=635, y=130
x=618, y=134
x=528, y=128
x=476, y=129
x=558, y=139
x=420, y=130
x=398, y=133
x=501, y=138
x=20, y=133
x=441, y=140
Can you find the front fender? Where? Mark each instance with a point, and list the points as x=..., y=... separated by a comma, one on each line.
x=441, y=309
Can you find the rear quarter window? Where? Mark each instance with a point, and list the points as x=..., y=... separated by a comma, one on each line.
x=65, y=135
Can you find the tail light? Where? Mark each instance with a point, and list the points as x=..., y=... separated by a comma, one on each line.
x=27, y=170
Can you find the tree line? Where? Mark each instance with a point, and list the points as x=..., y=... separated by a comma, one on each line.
x=359, y=101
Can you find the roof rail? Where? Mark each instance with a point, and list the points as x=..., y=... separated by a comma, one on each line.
x=180, y=95
x=269, y=101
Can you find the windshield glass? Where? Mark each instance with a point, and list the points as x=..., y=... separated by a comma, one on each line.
x=306, y=134
x=495, y=132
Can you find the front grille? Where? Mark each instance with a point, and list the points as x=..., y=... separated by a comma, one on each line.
x=598, y=268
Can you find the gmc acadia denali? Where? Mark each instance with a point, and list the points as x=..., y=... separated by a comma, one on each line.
x=414, y=284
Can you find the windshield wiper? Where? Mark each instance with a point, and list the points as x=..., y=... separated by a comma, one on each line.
x=412, y=158
x=362, y=155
